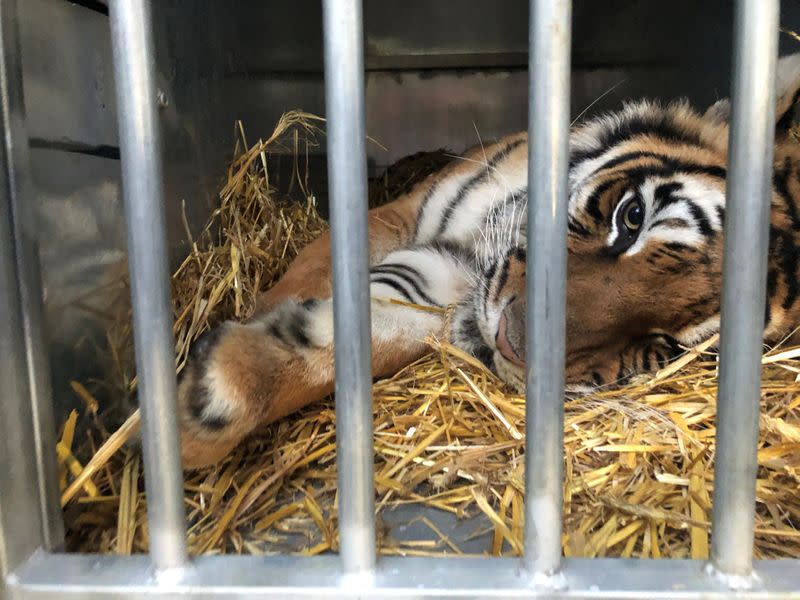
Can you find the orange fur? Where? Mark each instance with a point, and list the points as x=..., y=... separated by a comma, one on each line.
x=624, y=311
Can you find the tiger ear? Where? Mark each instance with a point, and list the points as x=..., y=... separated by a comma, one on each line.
x=787, y=81
x=718, y=113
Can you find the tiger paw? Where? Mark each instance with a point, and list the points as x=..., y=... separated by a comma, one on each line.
x=239, y=376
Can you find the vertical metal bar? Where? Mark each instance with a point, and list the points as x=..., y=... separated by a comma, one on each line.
x=344, y=104
x=744, y=278
x=21, y=530
x=21, y=524
x=142, y=186
x=548, y=158
x=23, y=219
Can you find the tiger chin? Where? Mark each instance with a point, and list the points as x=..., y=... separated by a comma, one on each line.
x=646, y=213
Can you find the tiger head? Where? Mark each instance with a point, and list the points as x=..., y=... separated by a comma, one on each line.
x=645, y=222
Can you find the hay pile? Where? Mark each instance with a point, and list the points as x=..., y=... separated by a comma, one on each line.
x=448, y=435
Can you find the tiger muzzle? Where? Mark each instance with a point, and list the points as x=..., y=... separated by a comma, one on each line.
x=510, y=338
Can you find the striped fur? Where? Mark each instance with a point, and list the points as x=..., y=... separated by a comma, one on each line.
x=646, y=215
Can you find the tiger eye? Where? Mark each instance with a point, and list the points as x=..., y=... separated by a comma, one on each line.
x=633, y=216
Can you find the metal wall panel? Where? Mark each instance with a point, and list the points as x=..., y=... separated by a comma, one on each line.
x=435, y=67
x=403, y=34
x=82, y=244
x=67, y=74
x=413, y=34
x=422, y=109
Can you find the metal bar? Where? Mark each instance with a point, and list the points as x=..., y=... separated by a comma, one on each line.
x=21, y=525
x=22, y=217
x=142, y=186
x=744, y=276
x=21, y=520
x=347, y=174
x=63, y=577
x=548, y=157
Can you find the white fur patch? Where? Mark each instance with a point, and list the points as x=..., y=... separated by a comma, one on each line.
x=692, y=336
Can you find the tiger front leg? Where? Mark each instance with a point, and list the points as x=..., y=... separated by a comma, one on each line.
x=241, y=376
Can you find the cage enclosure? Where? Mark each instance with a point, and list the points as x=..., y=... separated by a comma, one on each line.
x=240, y=102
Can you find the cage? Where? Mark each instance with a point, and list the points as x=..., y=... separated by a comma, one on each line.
x=98, y=94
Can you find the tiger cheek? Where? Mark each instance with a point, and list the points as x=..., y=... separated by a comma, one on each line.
x=597, y=305
x=639, y=296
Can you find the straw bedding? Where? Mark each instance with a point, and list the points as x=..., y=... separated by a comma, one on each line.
x=448, y=435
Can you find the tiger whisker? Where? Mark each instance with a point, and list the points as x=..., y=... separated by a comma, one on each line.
x=596, y=100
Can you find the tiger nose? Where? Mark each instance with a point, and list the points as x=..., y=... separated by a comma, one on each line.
x=510, y=338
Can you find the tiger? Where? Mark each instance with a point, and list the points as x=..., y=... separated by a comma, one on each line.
x=645, y=218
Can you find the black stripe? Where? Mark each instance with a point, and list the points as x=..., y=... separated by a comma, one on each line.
x=780, y=181
x=393, y=267
x=469, y=331
x=215, y=423
x=621, y=369
x=503, y=278
x=645, y=351
x=297, y=329
x=483, y=290
x=700, y=218
x=639, y=174
x=473, y=181
x=395, y=285
x=410, y=276
x=699, y=310
x=789, y=260
x=785, y=120
x=484, y=354
x=667, y=161
x=721, y=215
x=623, y=158
x=488, y=274
x=772, y=284
x=275, y=332
x=205, y=343
x=450, y=248
x=577, y=228
x=655, y=123
x=672, y=349
x=665, y=194
x=423, y=205
x=783, y=247
x=198, y=401
x=676, y=246
x=593, y=202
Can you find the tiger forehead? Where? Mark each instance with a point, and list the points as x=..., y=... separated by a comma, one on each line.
x=647, y=155
x=675, y=135
x=676, y=123
x=599, y=183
